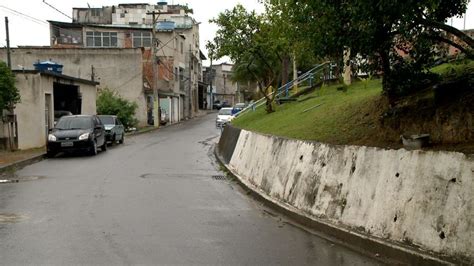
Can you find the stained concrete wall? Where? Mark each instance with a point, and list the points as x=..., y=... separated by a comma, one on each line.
x=30, y=112
x=118, y=69
x=416, y=198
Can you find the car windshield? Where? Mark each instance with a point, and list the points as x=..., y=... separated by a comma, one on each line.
x=74, y=123
x=225, y=112
x=107, y=119
x=59, y=114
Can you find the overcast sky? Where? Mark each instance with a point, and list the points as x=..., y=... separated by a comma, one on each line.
x=35, y=30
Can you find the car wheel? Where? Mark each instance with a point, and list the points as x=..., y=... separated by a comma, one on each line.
x=94, y=148
x=104, y=146
x=113, y=140
x=50, y=154
x=122, y=139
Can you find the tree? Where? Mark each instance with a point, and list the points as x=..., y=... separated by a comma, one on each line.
x=9, y=95
x=246, y=38
x=110, y=102
x=372, y=29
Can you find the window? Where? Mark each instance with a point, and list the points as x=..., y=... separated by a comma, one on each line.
x=182, y=47
x=141, y=39
x=95, y=12
x=101, y=39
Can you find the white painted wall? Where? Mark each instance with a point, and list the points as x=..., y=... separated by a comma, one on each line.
x=30, y=111
x=398, y=195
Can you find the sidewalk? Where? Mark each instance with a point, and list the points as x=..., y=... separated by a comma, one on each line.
x=19, y=158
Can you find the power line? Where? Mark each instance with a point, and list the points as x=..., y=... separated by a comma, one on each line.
x=44, y=1
x=24, y=16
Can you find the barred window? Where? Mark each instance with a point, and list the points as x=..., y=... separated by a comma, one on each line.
x=101, y=39
x=141, y=39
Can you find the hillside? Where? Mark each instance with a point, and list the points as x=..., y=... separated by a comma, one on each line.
x=361, y=116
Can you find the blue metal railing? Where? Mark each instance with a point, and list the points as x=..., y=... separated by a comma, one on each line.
x=310, y=75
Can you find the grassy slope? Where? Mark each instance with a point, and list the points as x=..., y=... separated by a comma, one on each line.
x=459, y=67
x=343, y=117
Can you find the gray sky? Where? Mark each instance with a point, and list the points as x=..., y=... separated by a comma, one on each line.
x=35, y=30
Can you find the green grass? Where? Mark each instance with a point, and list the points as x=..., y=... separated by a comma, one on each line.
x=342, y=117
x=454, y=68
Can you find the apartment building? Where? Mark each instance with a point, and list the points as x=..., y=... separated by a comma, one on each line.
x=175, y=68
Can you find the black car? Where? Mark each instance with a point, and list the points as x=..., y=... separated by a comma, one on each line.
x=77, y=133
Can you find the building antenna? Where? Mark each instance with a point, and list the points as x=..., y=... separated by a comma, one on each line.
x=44, y=1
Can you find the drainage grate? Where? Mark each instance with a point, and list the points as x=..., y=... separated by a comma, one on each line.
x=219, y=177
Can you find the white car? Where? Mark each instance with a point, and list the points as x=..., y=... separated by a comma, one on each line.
x=224, y=116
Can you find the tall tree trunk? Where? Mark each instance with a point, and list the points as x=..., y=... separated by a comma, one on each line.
x=387, y=85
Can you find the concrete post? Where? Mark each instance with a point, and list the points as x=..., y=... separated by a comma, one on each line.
x=347, y=66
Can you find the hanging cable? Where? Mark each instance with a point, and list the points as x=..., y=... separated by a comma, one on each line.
x=64, y=14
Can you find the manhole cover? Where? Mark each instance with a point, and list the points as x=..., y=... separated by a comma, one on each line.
x=219, y=177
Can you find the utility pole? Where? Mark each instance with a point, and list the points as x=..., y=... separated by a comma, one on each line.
x=9, y=59
x=190, y=96
x=92, y=73
x=295, y=73
x=156, y=102
x=211, y=77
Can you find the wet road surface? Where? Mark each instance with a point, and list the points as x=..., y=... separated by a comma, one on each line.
x=157, y=199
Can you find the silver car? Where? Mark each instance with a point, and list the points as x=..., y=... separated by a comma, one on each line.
x=114, y=129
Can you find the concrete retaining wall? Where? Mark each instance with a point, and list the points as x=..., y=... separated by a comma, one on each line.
x=413, y=198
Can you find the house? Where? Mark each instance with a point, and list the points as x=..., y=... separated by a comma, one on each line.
x=42, y=94
x=175, y=70
x=224, y=89
x=453, y=51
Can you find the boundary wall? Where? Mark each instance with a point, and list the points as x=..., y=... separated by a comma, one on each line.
x=413, y=201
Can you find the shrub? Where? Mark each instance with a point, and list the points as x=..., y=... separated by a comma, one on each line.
x=109, y=102
x=9, y=94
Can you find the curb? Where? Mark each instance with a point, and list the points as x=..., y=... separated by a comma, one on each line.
x=384, y=251
x=23, y=163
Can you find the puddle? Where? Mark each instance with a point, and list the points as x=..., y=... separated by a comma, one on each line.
x=10, y=218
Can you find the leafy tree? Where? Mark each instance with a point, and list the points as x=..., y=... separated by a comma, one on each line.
x=109, y=102
x=9, y=95
x=373, y=29
x=247, y=38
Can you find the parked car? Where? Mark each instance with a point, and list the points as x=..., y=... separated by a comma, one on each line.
x=217, y=105
x=225, y=104
x=164, y=118
x=224, y=117
x=114, y=129
x=77, y=133
x=238, y=107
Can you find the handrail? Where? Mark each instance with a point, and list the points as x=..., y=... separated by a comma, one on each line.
x=282, y=89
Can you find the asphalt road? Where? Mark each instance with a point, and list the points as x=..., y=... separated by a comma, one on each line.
x=152, y=200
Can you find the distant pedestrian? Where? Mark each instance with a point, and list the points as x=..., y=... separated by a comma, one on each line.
x=205, y=105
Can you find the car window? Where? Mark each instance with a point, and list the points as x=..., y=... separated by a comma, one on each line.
x=107, y=119
x=225, y=112
x=118, y=122
x=74, y=122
